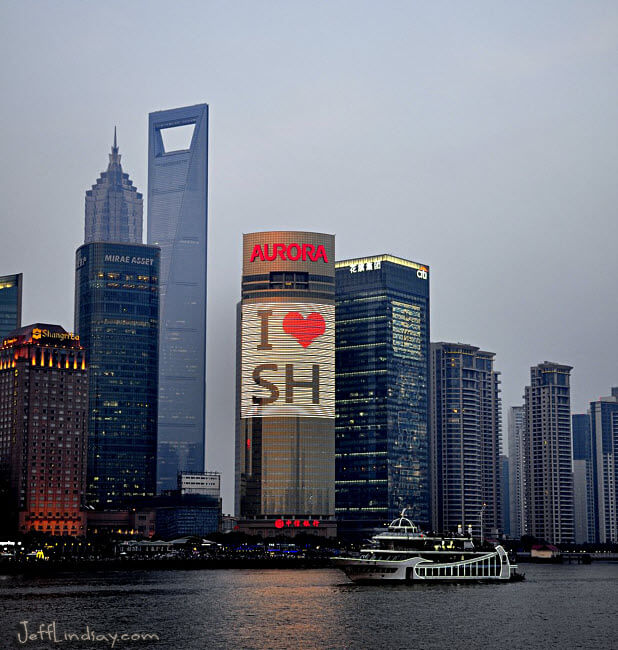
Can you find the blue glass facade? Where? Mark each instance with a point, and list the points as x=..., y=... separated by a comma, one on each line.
x=581, y=436
x=177, y=223
x=382, y=376
x=191, y=515
x=604, y=462
x=117, y=319
x=583, y=479
x=10, y=303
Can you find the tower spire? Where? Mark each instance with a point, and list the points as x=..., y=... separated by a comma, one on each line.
x=114, y=157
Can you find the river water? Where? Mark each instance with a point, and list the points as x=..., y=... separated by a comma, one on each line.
x=557, y=606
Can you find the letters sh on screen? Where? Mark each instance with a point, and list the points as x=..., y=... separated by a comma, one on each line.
x=288, y=360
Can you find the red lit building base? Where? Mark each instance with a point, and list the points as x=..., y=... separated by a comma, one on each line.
x=287, y=526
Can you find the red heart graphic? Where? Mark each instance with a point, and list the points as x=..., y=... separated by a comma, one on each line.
x=304, y=330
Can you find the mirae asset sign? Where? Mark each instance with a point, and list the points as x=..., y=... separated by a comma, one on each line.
x=127, y=259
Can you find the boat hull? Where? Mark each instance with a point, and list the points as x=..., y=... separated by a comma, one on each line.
x=486, y=567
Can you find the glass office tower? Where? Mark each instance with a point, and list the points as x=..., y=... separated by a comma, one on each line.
x=117, y=319
x=177, y=220
x=382, y=369
x=10, y=303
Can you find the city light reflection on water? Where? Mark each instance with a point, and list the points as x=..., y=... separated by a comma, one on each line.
x=556, y=607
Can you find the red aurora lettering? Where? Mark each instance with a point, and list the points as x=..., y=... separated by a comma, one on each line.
x=292, y=252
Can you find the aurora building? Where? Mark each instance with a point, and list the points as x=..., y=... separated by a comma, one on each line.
x=285, y=447
x=382, y=380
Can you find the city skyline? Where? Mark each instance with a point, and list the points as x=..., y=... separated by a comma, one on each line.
x=497, y=144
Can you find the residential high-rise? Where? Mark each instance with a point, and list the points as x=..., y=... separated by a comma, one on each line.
x=43, y=430
x=548, y=448
x=604, y=452
x=114, y=207
x=517, y=476
x=10, y=303
x=465, y=438
x=583, y=484
x=177, y=223
x=117, y=319
x=505, y=491
x=286, y=386
x=382, y=380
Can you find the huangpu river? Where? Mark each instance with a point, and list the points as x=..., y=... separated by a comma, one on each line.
x=557, y=606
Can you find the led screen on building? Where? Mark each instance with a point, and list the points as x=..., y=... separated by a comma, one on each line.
x=288, y=360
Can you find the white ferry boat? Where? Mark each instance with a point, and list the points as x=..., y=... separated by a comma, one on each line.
x=403, y=553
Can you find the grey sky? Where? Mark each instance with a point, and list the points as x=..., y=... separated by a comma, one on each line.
x=479, y=138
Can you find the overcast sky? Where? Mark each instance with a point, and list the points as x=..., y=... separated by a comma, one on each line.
x=479, y=138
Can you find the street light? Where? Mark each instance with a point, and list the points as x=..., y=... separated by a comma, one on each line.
x=482, y=511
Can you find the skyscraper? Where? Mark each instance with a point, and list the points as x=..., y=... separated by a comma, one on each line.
x=583, y=483
x=43, y=430
x=548, y=448
x=604, y=452
x=10, y=303
x=505, y=491
x=117, y=318
x=286, y=430
x=382, y=371
x=114, y=207
x=466, y=433
x=177, y=223
x=517, y=476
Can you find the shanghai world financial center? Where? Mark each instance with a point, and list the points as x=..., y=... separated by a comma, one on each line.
x=177, y=223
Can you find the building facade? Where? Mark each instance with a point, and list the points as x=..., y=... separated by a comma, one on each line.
x=114, y=207
x=466, y=436
x=177, y=223
x=382, y=381
x=43, y=430
x=10, y=303
x=604, y=453
x=187, y=515
x=516, y=421
x=548, y=448
x=117, y=319
x=505, y=491
x=286, y=384
x=205, y=483
x=583, y=483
